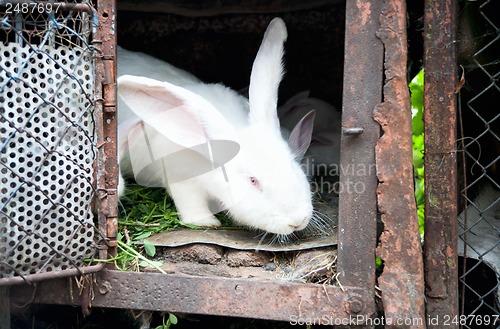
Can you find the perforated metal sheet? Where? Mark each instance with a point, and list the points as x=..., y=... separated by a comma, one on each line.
x=47, y=151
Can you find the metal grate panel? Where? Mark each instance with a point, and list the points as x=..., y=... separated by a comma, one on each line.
x=47, y=141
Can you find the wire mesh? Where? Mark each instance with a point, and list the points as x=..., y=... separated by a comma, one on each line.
x=47, y=138
x=479, y=222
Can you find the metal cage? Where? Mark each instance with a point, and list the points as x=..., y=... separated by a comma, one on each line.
x=416, y=285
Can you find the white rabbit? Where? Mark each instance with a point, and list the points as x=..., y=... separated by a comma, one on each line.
x=323, y=155
x=140, y=64
x=204, y=142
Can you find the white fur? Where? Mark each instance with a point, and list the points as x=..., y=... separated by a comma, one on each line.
x=170, y=130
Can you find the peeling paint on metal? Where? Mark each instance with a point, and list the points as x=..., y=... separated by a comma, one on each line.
x=402, y=281
x=365, y=8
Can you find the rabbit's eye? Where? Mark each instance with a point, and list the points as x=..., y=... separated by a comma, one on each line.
x=255, y=182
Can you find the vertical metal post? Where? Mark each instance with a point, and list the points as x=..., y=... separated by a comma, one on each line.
x=440, y=250
x=363, y=67
x=402, y=280
x=108, y=175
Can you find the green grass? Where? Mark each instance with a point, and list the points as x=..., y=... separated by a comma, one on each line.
x=145, y=211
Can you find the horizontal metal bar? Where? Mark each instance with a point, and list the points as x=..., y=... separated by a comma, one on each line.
x=37, y=277
x=273, y=300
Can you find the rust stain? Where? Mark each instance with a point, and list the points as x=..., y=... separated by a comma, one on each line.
x=251, y=298
x=402, y=282
x=105, y=41
x=357, y=211
x=440, y=252
x=365, y=10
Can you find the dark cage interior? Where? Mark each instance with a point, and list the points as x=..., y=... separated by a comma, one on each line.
x=221, y=48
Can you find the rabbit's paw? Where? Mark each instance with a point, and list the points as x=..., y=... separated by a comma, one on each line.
x=208, y=221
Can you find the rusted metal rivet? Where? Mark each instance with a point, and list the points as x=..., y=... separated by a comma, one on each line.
x=354, y=305
x=104, y=287
x=352, y=131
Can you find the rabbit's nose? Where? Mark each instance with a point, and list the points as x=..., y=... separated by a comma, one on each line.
x=301, y=225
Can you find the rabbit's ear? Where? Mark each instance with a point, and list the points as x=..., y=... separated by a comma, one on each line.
x=266, y=75
x=178, y=134
x=300, y=137
x=182, y=116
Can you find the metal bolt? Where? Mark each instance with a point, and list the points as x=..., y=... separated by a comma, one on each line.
x=104, y=287
x=354, y=305
x=352, y=131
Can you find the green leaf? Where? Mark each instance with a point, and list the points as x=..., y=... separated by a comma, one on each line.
x=143, y=235
x=143, y=208
x=150, y=263
x=149, y=248
x=172, y=318
x=417, y=106
x=417, y=102
x=418, y=147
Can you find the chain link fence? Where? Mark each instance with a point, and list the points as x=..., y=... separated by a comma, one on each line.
x=479, y=166
x=48, y=146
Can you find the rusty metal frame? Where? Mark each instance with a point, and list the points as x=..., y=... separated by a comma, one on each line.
x=351, y=303
x=401, y=282
x=358, y=211
x=105, y=41
x=441, y=231
x=211, y=295
x=402, y=279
